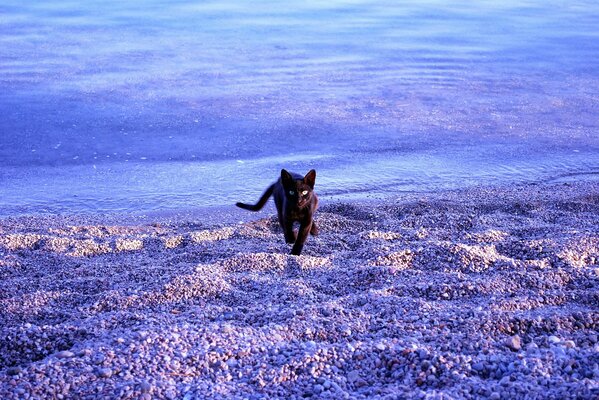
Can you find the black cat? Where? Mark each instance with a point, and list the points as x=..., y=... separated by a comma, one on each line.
x=296, y=202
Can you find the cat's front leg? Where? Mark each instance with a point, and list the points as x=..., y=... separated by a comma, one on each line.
x=289, y=232
x=302, y=235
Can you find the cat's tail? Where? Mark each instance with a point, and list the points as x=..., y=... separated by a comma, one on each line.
x=258, y=206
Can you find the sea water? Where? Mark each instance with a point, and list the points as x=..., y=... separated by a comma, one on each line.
x=149, y=105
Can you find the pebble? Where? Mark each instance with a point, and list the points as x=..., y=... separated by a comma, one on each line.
x=553, y=339
x=145, y=386
x=360, y=383
x=353, y=376
x=558, y=352
x=345, y=330
x=104, y=372
x=65, y=354
x=351, y=326
x=532, y=347
x=425, y=365
x=514, y=343
x=98, y=359
x=479, y=366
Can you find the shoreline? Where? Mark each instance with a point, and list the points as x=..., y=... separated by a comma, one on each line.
x=487, y=292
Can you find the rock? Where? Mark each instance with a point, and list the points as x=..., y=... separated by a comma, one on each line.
x=104, y=372
x=479, y=366
x=318, y=389
x=353, y=376
x=145, y=386
x=514, y=343
x=188, y=396
x=425, y=365
x=232, y=362
x=532, y=347
x=84, y=352
x=361, y=383
x=13, y=371
x=98, y=359
x=558, y=352
x=553, y=339
x=345, y=330
x=65, y=354
x=570, y=344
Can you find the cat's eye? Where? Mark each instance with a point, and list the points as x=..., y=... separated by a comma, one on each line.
x=305, y=192
x=291, y=192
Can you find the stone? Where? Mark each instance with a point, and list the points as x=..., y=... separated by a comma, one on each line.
x=558, y=352
x=553, y=339
x=232, y=362
x=145, y=386
x=514, y=343
x=479, y=366
x=361, y=383
x=104, y=372
x=98, y=359
x=84, y=352
x=532, y=347
x=65, y=354
x=353, y=376
x=425, y=365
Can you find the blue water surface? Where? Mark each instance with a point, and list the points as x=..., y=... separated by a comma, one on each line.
x=141, y=106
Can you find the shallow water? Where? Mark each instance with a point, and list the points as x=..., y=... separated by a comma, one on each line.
x=155, y=105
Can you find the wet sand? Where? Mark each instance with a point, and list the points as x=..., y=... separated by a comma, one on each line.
x=483, y=293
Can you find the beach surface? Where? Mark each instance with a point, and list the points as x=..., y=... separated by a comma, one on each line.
x=490, y=292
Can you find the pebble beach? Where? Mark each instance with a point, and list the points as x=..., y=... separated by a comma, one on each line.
x=489, y=292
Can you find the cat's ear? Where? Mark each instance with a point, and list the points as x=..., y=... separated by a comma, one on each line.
x=286, y=178
x=310, y=178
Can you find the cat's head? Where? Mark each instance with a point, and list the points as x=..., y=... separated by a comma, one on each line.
x=299, y=191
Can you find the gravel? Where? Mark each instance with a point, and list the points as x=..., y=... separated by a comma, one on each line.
x=485, y=293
